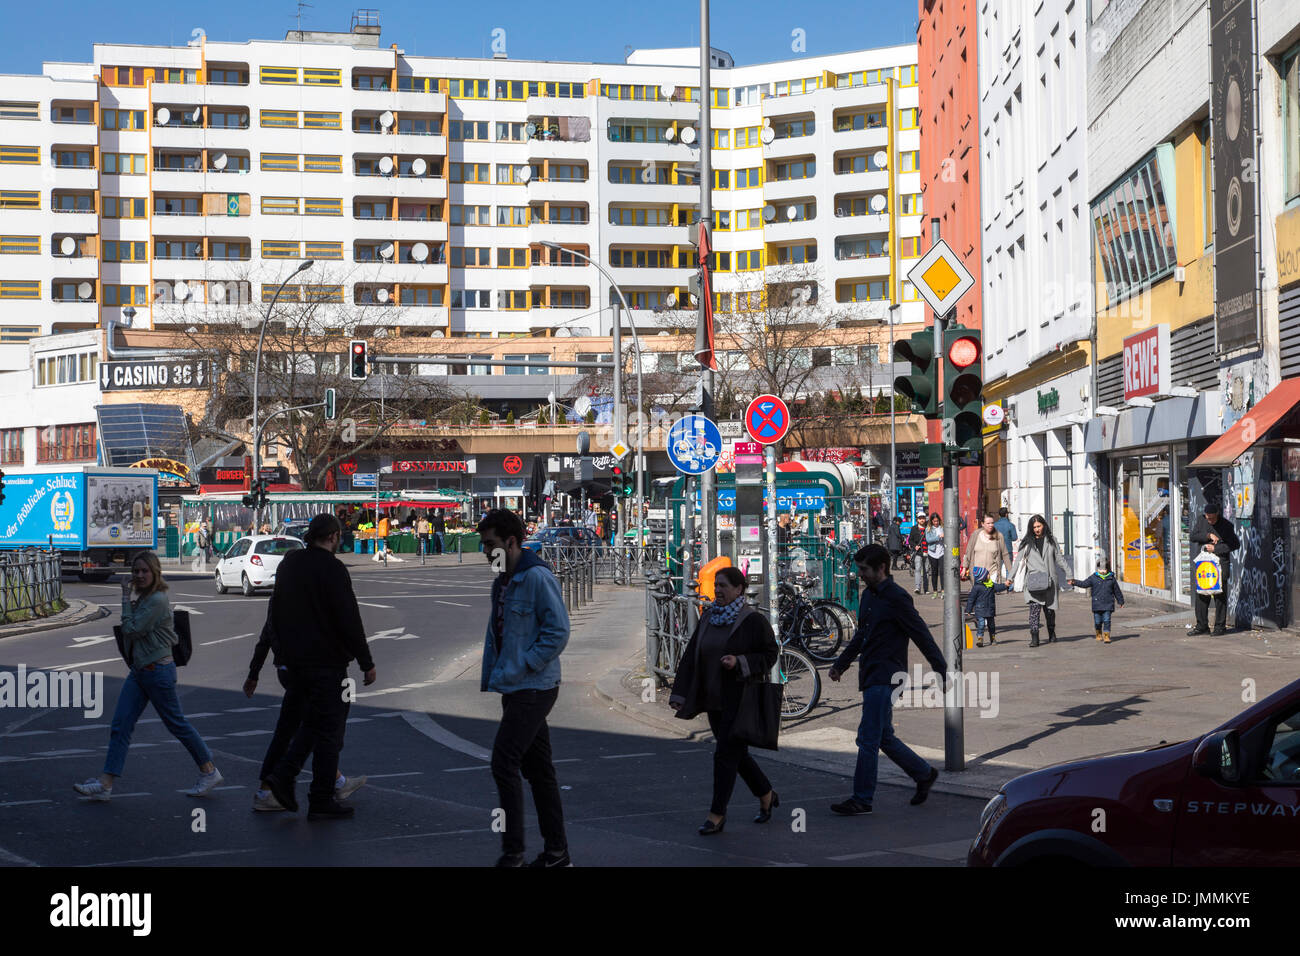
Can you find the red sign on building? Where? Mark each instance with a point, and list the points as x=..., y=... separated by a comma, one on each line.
x=456, y=466
x=1147, y=363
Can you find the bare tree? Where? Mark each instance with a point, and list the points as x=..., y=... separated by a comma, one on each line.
x=304, y=352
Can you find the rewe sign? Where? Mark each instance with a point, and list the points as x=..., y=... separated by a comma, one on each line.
x=1147, y=363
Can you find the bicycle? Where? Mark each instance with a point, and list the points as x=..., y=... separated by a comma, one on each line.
x=820, y=627
x=802, y=683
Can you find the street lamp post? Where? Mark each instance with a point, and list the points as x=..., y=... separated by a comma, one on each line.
x=257, y=368
x=618, y=379
x=894, y=312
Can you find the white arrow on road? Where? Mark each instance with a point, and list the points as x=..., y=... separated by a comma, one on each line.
x=393, y=634
x=88, y=640
x=186, y=607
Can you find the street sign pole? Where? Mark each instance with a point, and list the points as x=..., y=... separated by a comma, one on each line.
x=769, y=559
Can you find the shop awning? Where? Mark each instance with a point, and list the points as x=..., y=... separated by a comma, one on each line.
x=1251, y=427
x=934, y=481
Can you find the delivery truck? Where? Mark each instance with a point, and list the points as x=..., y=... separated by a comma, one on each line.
x=98, y=519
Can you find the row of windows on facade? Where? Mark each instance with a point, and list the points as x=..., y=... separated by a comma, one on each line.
x=53, y=443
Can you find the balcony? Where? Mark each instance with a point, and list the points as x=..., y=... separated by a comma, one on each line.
x=77, y=134
x=68, y=267
x=558, y=231
x=877, y=138
x=647, y=235
x=638, y=194
x=782, y=229
x=777, y=191
x=434, y=144
x=405, y=186
x=84, y=178
x=562, y=276
x=558, y=190
x=790, y=146
x=858, y=267
x=665, y=278
x=861, y=182
x=868, y=224
x=413, y=230
x=665, y=152
x=406, y=273
x=76, y=220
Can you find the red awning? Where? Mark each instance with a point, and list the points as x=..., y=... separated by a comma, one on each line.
x=1251, y=427
x=416, y=504
x=240, y=489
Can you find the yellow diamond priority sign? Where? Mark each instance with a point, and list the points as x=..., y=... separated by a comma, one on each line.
x=941, y=278
x=619, y=450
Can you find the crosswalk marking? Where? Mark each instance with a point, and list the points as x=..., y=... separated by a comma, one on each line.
x=245, y=733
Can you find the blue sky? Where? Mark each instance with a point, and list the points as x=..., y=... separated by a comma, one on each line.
x=596, y=30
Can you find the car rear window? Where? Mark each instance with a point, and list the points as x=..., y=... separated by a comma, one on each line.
x=277, y=546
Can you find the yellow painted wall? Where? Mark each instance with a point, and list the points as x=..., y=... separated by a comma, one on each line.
x=1174, y=303
x=1288, y=248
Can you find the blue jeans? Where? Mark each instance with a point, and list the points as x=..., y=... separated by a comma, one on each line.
x=437, y=535
x=876, y=734
x=1101, y=620
x=140, y=689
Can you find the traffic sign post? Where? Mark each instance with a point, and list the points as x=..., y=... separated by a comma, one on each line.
x=694, y=444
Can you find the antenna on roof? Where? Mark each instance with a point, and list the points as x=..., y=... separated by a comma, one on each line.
x=301, y=4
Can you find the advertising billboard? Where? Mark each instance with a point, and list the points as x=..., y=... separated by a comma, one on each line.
x=120, y=510
x=43, y=507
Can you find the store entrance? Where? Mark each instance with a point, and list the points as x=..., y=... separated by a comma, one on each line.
x=1144, y=522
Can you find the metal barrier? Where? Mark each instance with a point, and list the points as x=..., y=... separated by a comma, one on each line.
x=670, y=621
x=31, y=584
x=625, y=564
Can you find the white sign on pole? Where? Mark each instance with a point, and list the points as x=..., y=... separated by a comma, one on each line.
x=941, y=278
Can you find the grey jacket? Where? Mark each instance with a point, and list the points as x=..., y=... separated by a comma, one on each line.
x=1048, y=560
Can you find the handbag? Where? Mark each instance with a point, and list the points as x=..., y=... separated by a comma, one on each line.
x=182, y=650
x=1038, y=581
x=758, y=721
x=1019, y=583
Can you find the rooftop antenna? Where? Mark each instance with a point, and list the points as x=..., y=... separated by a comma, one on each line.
x=301, y=4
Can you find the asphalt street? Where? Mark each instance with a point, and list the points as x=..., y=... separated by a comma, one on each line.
x=422, y=734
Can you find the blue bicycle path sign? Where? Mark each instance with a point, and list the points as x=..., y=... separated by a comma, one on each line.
x=694, y=444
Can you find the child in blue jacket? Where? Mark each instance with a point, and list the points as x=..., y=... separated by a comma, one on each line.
x=1105, y=595
x=981, y=603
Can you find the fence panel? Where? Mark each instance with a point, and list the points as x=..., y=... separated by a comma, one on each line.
x=31, y=584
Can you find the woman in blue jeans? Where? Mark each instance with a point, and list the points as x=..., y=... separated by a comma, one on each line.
x=149, y=637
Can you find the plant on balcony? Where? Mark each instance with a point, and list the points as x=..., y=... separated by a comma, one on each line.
x=560, y=417
x=510, y=418
x=483, y=417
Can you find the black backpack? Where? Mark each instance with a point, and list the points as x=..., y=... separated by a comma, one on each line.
x=182, y=650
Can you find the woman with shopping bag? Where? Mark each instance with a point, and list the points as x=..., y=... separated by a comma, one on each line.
x=723, y=673
x=1035, y=571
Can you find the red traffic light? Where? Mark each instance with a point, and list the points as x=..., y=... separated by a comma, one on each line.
x=617, y=471
x=357, y=348
x=964, y=352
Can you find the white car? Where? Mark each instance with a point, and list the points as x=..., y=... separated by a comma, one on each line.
x=251, y=562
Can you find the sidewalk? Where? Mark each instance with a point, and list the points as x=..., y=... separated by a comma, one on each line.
x=77, y=612
x=1064, y=701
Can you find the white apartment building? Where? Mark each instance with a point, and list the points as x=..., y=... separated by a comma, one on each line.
x=47, y=403
x=187, y=182
x=1037, y=263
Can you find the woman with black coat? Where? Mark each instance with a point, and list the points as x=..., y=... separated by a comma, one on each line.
x=733, y=645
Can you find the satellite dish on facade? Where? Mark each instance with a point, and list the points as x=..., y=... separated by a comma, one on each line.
x=438, y=334
x=881, y=159
x=767, y=134
x=419, y=167
x=219, y=292
x=382, y=295
x=791, y=212
x=582, y=405
x=85, y=290
x=530, y=130
x=670, y=134
x=668, y=90
x=163, y=116
x=688, y=135
x=181, y=290
x=878, y=203
x=219, y=161
x=386, y=165
x=420, y=252
x=525, y=173
x=197, y=114
x=670, y=300
x=386, y=251
x=769, y=212
x=67, y=245
x=386, y=119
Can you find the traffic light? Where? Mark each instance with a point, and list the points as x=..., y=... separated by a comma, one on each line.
x=257, y=498
x=357, y=351
x=623, y=483
x=963, y=385
x=2, y=487
x=331, y=410
x=921, y=387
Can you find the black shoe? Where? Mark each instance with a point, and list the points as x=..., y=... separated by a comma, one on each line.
x=923, y=788
x=545, y=860
x=1198, y=630
x=1033, y=637
x=1219, y=631
x=283, y=793
x=852, y=807
x=765, y=815
x=1051, y=635
x=708, y=827
x=511, y=859
x=333, y=810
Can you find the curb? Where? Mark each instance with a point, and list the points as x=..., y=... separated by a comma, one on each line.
x=77, y=612
x=980, y=783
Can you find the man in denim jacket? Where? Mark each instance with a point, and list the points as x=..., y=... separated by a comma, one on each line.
x=521, y=661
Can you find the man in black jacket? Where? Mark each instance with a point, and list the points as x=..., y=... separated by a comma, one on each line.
x=894, y=542
x=887, y=621
x=314, y=614
x=1213, y=529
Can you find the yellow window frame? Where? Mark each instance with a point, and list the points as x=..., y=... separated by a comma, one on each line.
x=281, y=249
x=20, y=155
x=20, y=288
x=317, y=120
x=908, y=118
x=324, y=250
x=278, y=75
x=321, y=76
x=322, y=207
x=321, y=163
x=20, y=199
x=280, y=163
x=279, y=119
x=279, y=206
x=20, y=245
x=513, y=258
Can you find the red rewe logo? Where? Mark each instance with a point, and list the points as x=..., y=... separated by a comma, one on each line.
x=513, y=464
x=348, y=468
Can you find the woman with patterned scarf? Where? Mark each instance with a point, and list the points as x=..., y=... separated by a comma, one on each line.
x=732, y=645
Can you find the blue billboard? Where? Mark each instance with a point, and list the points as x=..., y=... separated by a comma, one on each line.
x=787, y=499
x=39, y=508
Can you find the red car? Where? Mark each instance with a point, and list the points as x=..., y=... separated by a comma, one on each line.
x=1228, y=798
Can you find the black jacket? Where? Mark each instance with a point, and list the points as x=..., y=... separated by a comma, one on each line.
x=916, y=537
x=1228, y=541
x=267, y=642
x=981, y=600
x=439, y=524
x=1105, y=591
x=894, y=537
x=752, y=641
x=887, y=620
x=315, y=613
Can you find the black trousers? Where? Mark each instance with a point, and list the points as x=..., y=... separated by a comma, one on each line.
x=324, y=719
x=1201, y=604
x=935, y=568
x=523, y=745
x=292, y=709
x=730, y=757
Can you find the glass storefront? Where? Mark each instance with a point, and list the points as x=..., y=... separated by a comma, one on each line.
x=1151, y=513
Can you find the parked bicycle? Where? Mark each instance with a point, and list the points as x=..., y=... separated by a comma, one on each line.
x=818, y=626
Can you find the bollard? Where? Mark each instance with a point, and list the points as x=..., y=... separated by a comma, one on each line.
x=589, y=576
x=460, y=548
x=568, y=590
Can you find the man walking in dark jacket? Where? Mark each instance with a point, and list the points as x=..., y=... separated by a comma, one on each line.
x=887, y=621
x=1213, y=529
x=314, y=614
x=894, y=542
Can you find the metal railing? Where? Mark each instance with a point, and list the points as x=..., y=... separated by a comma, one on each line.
x=31, y=584
x=669, y=622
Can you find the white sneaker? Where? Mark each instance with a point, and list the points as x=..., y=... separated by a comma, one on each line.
x=347, y=786
x=93, y=789
x=265, y=800
x=206, y=782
